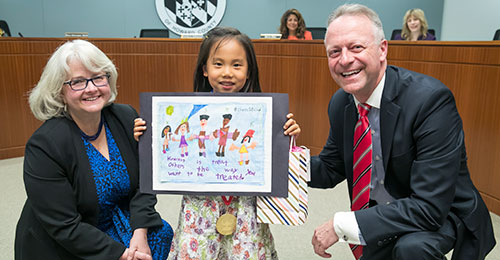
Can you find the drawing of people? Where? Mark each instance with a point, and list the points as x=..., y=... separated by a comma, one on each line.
x=223, y=134
x=243, y=149
x=167, y=134
x=202, y=135
x=183, y=128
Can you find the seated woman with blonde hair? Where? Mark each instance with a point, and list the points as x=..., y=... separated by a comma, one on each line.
x=415, y=27
x=293, y=26
x=81, y=168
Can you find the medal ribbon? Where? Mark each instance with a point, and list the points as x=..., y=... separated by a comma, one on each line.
x=227, y=201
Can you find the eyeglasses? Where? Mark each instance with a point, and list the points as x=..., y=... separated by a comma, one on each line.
x=82, y=83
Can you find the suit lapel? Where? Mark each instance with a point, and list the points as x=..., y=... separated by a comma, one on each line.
x=388, y=118
x=389, y=114
x=81, y=175
x=122, y=141
x=350, y=119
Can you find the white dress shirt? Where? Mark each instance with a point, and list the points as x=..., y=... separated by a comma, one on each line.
x=345, y=223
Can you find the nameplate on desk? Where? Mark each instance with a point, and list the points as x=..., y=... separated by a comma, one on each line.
x=76, y=34
x=192, y=36
x=276, y=36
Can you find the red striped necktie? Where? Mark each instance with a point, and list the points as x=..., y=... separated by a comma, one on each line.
x=362, y=167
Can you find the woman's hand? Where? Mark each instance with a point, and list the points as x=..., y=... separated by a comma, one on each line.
x=131, y=255
x=139, y=248
x=139, y=128
x=124, y=255
x=291, y=127
x=141, y=256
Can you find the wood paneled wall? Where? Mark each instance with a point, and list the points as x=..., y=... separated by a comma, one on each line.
x=470, y=69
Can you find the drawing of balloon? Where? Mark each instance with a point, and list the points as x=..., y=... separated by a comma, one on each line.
x=169, y=110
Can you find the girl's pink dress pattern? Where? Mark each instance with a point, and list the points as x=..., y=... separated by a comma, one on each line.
x=197, y=238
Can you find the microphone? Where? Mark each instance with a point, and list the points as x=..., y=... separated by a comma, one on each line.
x=20, y=34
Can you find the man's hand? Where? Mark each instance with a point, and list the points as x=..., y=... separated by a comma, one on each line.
x=324, y=237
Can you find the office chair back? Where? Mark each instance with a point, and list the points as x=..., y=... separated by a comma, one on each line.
x=5, y=27
x=161, y=33
x=394, y=33
x=318, y=33
x=398, y=31
x=496, y=37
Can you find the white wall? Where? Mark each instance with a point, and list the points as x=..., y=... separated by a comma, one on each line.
x=470, y=20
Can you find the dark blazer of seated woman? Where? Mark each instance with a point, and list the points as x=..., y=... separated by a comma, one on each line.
x=63, y=225
x=428, y=37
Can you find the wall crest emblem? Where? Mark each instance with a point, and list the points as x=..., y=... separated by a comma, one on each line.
x=190, y=16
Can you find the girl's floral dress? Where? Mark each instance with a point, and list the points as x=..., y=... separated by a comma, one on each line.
x=197, y=238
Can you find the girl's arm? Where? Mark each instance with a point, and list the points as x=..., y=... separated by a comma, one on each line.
x=139, y=128
x=291, y=127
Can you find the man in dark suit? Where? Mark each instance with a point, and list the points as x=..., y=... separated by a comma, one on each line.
x=420, y=200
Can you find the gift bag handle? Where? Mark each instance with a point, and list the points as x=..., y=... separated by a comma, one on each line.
x=293, y=146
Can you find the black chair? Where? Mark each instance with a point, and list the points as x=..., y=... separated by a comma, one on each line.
x=5, y=27
x=161, y=33
x=317, y=32
x=398, y=31
x=394, y=33
x=497, y=35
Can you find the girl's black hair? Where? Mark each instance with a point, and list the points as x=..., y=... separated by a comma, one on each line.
x=163, y=131
x=219, y=35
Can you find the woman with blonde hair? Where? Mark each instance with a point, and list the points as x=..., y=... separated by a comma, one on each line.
x=81, y=168
x=415, y=27
x=293, y=26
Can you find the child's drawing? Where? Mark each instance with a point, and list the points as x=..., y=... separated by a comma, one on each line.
x=245, y=146
x=202, y=135
x=223, y=134
x=182, y=130
x=205, y=128
x=167, y=134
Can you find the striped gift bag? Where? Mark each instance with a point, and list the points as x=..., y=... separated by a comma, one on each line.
x=291, y=210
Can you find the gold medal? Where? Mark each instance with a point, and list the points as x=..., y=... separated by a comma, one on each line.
x=226, y=224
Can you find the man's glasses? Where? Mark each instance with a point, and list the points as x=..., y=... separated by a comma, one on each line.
x=82, y=83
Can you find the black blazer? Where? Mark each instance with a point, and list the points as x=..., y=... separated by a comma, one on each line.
x=424, y=160
x=59, y=217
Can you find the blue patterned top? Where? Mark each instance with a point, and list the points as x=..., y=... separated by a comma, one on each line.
x=113, y=187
